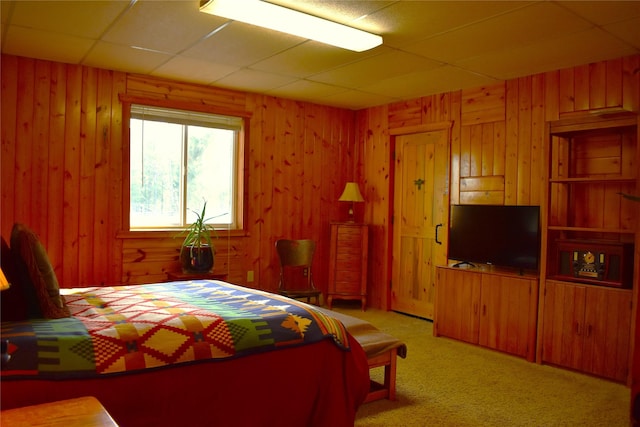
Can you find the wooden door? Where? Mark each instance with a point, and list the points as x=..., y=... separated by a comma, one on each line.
x=564, y=307
x=606, y=333
x=458, y=294
x=420, y=200
x=506, y=314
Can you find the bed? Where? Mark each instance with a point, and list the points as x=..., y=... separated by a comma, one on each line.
x=195, y=353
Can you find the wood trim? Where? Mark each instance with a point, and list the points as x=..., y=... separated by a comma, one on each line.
x=428, y=127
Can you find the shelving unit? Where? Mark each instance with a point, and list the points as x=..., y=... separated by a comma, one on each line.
x=589, y=271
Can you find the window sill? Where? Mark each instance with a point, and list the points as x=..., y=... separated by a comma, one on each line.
x=170, y=234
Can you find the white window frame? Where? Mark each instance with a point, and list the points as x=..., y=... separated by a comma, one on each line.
x=198, y=115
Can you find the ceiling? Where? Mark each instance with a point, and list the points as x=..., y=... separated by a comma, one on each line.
x=429, y=46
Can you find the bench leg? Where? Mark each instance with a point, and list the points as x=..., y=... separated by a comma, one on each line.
x=388, y=389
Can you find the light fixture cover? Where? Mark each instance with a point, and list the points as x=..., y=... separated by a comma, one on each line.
x=278, y=18
x=351, y=193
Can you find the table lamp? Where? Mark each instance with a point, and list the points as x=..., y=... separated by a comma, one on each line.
x=4, y=344
x=351, y=193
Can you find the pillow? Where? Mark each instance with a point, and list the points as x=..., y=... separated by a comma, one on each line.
x=13, y=301
x=26, y=245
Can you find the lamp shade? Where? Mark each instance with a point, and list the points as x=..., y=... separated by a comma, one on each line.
x=351, y=193
x=4, y=283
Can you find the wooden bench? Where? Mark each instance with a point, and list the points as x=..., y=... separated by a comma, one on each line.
x=382, y=350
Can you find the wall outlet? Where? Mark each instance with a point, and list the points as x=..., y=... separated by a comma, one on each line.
x=250, y=276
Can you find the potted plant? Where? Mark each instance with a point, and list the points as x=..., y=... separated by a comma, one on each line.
x=197, y=252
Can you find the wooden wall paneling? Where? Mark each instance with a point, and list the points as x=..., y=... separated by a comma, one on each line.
x=475, y=150
x=372, y=132
x=257, y=187
x=71, y=190
x=24, y=143
x=487, y=150
x=524, y=141
x=538, y=135
x=631, y=83
x=499, y=148
x=87, y=174
x=483, y=104
x=405, y=113
x=102, y=243
x=512, y=134
x=613, y=83
x=55, y=215
x=566, y=89
x=581, y=91
x=116, y=170
x=597, y=85
x=455, y=156
x=268, y=266
x=551, y=100
x=8, y=115
x=40, y=150
x=152, y=87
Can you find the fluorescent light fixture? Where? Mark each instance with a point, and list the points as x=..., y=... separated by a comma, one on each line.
x=278, y=18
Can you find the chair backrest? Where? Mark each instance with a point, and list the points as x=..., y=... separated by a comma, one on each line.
x=295, y=253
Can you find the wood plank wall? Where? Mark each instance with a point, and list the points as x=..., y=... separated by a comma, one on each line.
x=62, y=162
x=496, y=141
x=62, y=173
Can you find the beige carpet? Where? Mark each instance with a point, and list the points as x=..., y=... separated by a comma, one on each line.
x=443, y=382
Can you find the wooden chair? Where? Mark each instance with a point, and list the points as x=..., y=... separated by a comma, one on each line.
x=297, y=254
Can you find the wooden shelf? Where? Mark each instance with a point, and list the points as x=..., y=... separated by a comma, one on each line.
x=593, y=180
x=591, y=230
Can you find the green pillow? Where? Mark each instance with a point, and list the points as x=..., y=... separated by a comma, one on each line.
x=26, y=245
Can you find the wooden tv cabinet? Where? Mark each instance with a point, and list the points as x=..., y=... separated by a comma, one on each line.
x=489, y=307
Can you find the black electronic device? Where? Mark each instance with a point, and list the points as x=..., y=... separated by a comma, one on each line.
x=504, y=236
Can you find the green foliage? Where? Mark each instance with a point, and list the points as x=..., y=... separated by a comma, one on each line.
x=199, y=232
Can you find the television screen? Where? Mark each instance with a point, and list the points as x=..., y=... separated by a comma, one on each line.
x=507, y=236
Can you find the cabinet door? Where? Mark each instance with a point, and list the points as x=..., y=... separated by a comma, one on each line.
x=505, y=314
x=458, y=304
x=564, y=306
x=606, y=333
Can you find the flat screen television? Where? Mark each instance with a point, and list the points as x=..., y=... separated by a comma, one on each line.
x=505, y=236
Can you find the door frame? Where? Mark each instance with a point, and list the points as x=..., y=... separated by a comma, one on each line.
x=393, y=133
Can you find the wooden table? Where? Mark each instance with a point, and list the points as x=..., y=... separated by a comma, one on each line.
x=80, y=412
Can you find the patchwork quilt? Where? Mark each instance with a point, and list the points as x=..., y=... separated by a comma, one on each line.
x=123, y=329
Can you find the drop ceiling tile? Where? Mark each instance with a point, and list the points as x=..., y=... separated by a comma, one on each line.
x=604, y=12
x=235, y=44
x=193, y=69
x=311, y=58
x=124, y=58
x=509, y=30
x=78, y=18
x=45, y=45
x=391, y=63
x=6, y=10
x=356, y=100
x=628, y=30
x=163, y=26
x=254, y=81
x=428, y=82
x=567, y=51
x=408, y=21
x=305, y=90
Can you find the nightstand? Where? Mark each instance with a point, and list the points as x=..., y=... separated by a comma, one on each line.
x=174, y=276
x=348, y=260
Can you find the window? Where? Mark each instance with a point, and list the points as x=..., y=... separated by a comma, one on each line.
x=178, y=161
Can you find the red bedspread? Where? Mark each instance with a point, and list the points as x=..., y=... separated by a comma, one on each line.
x=317, y=384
